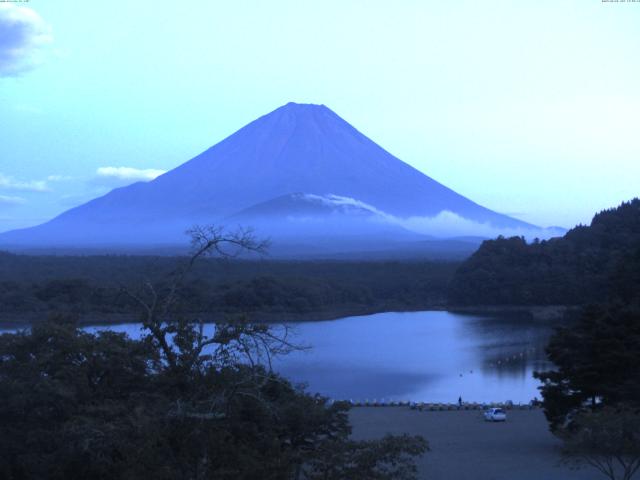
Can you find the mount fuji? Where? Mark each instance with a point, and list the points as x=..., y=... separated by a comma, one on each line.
x=300, y=175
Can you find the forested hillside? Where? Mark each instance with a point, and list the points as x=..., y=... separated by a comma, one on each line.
x=92, y=287
x=588, y=265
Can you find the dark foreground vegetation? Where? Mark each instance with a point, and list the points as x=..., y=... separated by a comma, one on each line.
x=592, y=397
x=177, y=404
x=589, y=264
x=92, y=287
x=82, y=406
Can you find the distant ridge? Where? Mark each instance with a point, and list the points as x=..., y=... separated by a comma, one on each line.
x=298, y=149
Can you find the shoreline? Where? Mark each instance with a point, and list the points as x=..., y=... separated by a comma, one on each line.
x=441, y=407
x=545, y=313
x=91, y=319
x=536, y=312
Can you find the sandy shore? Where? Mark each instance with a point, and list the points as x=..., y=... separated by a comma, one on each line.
x=465, y=447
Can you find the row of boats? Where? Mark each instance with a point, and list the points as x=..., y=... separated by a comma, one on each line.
x=508, y=405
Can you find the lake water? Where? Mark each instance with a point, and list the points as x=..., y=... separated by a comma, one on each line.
x=430, y=356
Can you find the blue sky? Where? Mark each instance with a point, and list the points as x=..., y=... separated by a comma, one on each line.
x=529, y=108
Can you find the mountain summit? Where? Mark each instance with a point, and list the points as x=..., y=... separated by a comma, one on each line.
x=297, y=153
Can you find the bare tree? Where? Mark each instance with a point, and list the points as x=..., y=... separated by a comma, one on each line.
x=183, y=342
x=185, y=347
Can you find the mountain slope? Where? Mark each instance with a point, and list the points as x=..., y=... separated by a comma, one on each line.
x=296, y=148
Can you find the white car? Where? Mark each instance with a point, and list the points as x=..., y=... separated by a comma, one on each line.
x=495, y=415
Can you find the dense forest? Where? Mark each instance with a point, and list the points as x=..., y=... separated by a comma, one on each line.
x=91, y=287
x=587, y=265
x=176, y=403
x=591, y=397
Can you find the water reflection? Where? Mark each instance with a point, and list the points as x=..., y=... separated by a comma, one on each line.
x=510, y=345
x=422, y=356
x=430, y=356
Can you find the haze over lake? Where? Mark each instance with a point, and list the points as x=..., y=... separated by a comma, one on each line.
x=430, y=356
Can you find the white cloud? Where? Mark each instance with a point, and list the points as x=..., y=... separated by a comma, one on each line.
x=10, y=183
x=348, y=201
x=7, y=200
x=59, y=178
x=450, y=224
x=444, y=224
x=23, y=34
x=128, y=174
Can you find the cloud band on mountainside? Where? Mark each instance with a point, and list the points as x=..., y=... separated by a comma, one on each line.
x=444, y=224
x=450, y=224
x=23, y=34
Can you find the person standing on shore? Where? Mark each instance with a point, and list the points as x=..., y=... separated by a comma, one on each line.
x=460, y=401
